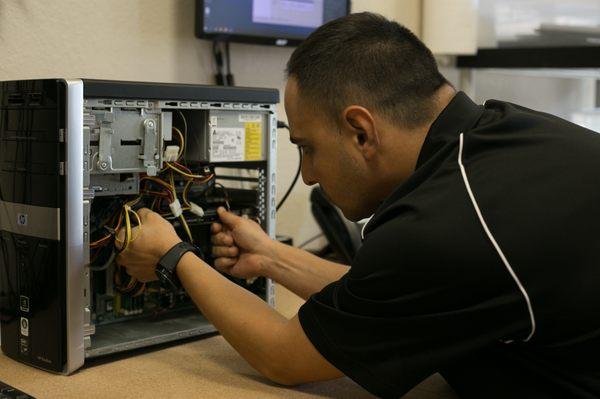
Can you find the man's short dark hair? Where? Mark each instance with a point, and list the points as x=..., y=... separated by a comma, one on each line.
x=367, y=60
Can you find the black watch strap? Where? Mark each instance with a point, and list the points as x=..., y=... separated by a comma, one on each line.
x=167, y=265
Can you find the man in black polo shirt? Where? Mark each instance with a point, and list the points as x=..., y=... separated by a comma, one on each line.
x=481, y=260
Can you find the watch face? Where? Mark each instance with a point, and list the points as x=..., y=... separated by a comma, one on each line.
x=159, y=273
x=165, y=278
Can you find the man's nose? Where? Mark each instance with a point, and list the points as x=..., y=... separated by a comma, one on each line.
x=307, y=175
x=308, y=182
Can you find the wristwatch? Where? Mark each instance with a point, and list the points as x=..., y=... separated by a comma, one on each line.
x=166, y=270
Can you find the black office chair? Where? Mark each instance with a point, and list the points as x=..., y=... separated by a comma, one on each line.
x=343, y=235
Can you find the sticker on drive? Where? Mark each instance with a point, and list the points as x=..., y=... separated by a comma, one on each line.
x=24, y=327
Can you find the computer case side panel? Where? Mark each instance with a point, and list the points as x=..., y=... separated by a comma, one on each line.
x=75, y=241
x=32, y=213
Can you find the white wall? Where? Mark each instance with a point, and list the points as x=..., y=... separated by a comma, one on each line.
x=557, y=94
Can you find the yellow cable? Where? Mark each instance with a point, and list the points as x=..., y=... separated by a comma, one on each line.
x=127, y=209
x=158, y=181
x=185, y=129
x=132, y=280
x=139, y=221
x=183, y=221
x=185, y=126
x=172, y=184
x=185, y=193
x=134, y=201
x=181, y=147
x=181, y=172
x=127, y=228
x=182, y=139
x=186, y=228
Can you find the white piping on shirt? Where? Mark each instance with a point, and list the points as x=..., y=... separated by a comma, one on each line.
x=366, y=221
x=493, y=240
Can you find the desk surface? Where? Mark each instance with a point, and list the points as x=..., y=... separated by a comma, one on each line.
x=207, y=368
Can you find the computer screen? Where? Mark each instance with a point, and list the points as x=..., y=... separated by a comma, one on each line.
x=279, y=22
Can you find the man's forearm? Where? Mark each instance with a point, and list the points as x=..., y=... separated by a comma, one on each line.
x=300, y=271
x=273, y=345
x=244, y=320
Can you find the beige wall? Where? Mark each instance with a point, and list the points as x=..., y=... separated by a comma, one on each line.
x=406, y=12
x=153, y=40
x=450, y=27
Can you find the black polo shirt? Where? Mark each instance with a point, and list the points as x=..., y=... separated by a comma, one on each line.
x=428, y=292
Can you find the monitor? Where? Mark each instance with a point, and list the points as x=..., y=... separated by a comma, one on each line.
x=277, y=22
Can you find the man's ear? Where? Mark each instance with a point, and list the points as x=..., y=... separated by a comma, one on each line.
x=360, y=125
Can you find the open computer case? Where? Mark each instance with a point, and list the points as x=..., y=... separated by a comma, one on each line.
x=75, y=155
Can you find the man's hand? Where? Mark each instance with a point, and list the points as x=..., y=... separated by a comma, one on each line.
x=151, y=241
x=240, y=246
x=242, y=249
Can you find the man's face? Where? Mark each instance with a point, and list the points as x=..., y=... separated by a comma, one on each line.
x=329, y=157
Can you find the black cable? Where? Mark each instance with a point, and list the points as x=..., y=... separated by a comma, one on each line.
x=227, y=203
x=229, y=77
x=228, y=58
x=283, y=125
x=218, y=57
x=107, y=263
x=312, y=239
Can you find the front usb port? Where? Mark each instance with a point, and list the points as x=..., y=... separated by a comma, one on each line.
x=35, y=98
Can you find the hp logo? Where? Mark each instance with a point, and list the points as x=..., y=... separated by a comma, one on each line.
x=22, y=219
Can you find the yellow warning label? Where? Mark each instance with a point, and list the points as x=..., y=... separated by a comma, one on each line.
x=253, y=150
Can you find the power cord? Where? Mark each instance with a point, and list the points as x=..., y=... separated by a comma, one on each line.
x=223, y=76
x=229, y=81
x=218, y=57
x=310, y=240
x=283, y=125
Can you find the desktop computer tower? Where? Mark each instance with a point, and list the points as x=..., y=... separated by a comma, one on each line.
x=75, y=155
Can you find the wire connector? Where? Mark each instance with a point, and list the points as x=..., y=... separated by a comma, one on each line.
x=171, y=153
x=196, y=209
x=175, y=207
